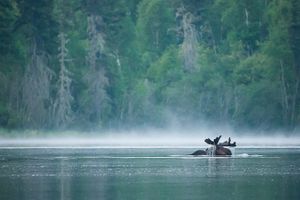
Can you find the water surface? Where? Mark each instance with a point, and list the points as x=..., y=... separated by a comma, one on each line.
x=147, y=173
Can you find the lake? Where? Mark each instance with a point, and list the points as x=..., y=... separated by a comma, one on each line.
x=147, y=173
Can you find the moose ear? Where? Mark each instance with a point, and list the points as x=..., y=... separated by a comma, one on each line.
x=208, y=141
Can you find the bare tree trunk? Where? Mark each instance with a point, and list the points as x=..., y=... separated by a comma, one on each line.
x=294, y=102
x=15, y=95
x=246, y=17
x=214, y=45
x=284, y=95
x=130, y=108
x=236, y=100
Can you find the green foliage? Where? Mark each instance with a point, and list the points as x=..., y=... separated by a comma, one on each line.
x=247, y=57
x=167, y=68
x=155, y=19
x=8, y=16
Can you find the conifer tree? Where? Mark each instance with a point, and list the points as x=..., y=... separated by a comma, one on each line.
x=96, y=77
x=62, y=105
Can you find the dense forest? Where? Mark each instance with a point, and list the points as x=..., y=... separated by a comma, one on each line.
x=101, y=64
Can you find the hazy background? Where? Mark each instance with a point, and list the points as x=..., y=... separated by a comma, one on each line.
x=164, y=70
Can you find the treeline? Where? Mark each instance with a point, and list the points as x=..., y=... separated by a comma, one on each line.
x=92, y=64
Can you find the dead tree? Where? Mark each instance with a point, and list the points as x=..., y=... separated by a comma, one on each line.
x=36, y=88
x=96, y=76
x=190, y=39
x=62, y=110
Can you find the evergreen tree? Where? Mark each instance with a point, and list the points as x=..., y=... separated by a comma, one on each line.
x=149, y=62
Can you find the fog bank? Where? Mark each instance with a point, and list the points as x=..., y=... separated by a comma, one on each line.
x=150, y=138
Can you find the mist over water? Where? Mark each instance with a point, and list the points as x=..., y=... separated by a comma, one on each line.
x=149, y=138
x=148, y=164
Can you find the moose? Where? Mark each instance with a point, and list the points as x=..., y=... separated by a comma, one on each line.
x=217, y=149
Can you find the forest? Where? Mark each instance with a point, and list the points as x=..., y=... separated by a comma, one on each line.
x=103, y=64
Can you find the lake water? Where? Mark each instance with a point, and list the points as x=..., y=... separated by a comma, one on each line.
x=148, y=173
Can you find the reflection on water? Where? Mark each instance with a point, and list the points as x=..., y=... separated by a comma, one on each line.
x=148, y=174
x=217, y=166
